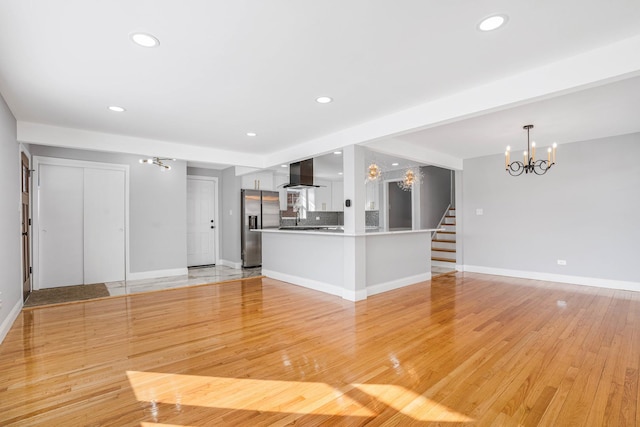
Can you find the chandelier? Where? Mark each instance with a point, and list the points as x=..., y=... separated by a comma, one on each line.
x=373, y=172
x=411, y=176
x=158, y=161
x=529, y=163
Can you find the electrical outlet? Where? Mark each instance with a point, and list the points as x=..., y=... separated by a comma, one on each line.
x=480, y=211
x=562, y=262
x=317, y=218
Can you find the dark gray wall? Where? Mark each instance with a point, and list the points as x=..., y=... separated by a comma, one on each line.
x=157, y=208
x=435, y=195
x=400, y=212
x=230, y=216
x=584, y=210
x=10, y=257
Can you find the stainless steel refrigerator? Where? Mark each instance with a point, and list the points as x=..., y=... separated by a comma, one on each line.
x=259, y=210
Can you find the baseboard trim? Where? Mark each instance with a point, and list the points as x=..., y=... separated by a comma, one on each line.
x=158, y=273
x=549, y=277
x=307, y=283
x=6, y=325
x=226, y=263
x=398, y=283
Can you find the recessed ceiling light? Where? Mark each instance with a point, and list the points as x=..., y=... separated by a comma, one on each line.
x=395, y=164
x=337, y=152
x=339, y=173
x=251, y=134
x=492, y=23
x=144, y=39
x=283, y=166
x=116, y=109
x=324, y=99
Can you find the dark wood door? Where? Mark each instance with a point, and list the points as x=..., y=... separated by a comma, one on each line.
x=26, y=229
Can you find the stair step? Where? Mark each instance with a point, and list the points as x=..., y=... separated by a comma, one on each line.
x=442, y=250
x=444, y=240
x=436, y=258
x=446, y=232
x=449, y=216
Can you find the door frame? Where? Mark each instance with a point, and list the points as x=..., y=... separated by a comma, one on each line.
x=216, y=216
x=384, y=205
x=35, y=188
x=25, y=150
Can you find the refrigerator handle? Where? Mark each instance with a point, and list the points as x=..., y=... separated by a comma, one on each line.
x=253, y=222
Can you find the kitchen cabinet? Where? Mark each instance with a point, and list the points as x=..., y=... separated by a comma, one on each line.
x=322, y=196
x=372, y=192
x=258, y=181
x=279, y=180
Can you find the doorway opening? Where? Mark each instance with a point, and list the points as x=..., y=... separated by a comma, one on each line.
x=400, y=207
x=25, y=228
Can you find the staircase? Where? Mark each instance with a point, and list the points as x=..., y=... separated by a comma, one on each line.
x=443, y=245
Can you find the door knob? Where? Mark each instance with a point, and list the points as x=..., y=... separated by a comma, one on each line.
x=213, y=226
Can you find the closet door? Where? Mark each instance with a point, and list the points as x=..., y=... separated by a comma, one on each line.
x=60, y=228
x=104, y=214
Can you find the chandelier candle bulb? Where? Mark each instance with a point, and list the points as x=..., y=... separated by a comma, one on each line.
x=549, y=155
x=507, y=155
x=533, y=151
x=525, y=157
x=554, y=152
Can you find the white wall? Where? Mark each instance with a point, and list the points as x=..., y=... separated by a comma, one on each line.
x=10, y=246
x=584, y=210
x=157, y=209
x=230, y=218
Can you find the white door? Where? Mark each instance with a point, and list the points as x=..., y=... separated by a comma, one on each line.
x=81, y=224
x=104, y=213
x=201, y=225
x=61, y=241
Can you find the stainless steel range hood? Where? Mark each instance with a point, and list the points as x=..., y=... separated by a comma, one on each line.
x=301, y=175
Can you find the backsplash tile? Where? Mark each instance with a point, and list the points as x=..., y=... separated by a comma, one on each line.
x=327, y=218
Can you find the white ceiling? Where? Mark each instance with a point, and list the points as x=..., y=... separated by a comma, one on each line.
x=416, y=71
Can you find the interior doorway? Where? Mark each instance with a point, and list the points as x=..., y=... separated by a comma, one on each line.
x=400, y=207
x=25, y=228
x=202, y=237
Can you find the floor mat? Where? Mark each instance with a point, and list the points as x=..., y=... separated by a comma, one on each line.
x=66, y=294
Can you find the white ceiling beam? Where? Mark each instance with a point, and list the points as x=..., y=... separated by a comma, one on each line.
x=35, y=133
x=596, y=67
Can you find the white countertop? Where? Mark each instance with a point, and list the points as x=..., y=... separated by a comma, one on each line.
x=329, y=232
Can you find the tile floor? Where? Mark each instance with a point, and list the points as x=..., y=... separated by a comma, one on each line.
x=196, y=276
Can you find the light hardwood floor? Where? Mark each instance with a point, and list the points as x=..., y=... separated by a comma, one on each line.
x=464, y=349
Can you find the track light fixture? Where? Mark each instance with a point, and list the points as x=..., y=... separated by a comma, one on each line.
x=158, y=161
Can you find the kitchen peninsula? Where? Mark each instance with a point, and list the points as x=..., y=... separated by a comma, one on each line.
x=351, y=265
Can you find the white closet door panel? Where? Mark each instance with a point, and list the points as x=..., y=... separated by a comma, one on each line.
x=60, y=196
x=200, y=213
x=104, y=236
